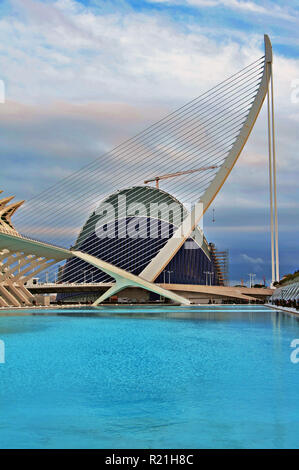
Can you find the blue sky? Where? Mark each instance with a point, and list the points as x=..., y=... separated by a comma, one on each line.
x=82, y=76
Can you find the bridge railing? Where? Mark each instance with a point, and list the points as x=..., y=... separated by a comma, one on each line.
x=22, y=236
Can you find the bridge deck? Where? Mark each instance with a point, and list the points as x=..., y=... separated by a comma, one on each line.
x=240, y=293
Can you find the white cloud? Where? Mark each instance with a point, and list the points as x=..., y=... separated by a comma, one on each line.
x=253, y=7
x=67, y=56
x=254, y=261
x=77, y=55
x=244, y=6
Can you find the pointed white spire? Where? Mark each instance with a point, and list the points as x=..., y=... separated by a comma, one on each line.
x=6, y=212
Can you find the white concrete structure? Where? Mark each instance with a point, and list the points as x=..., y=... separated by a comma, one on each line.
x=180, y=236
x=22, y=258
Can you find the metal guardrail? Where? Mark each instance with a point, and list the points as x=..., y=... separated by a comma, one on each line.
x=68, y=284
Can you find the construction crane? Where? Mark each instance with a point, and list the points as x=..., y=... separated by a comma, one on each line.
x=178, y=173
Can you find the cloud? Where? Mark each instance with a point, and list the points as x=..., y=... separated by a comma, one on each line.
x=244, y=6
x=135, y=56
x=40, y=12
x=254, y=261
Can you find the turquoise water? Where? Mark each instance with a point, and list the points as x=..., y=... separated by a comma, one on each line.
x=172, y=377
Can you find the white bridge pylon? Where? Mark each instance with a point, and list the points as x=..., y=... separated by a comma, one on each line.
x=156, y=266
x=16, y=249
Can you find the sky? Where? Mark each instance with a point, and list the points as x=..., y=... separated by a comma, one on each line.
x=82, y=76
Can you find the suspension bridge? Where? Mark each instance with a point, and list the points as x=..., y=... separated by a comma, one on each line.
x=192, y=150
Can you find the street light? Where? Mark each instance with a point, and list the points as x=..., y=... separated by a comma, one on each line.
x=251, y=277
x=208, y=273
x=169, y=272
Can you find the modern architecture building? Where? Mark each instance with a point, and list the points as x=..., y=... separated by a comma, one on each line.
x=131, y=241
x=143, y=237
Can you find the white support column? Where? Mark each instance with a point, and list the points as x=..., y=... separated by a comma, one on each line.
x=17, y=293
x=3, y=303
x=270, y=178
x=26, y=292
x=9, y=297
x=9, y=271
x=33, y=263
x=274, y=180
x=37, y=269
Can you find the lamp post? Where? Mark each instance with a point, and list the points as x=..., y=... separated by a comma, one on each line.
x=208, y=273
x=251, y=277
x=169, y=272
